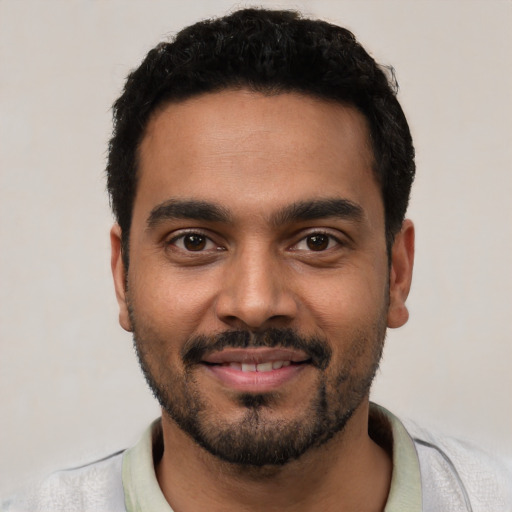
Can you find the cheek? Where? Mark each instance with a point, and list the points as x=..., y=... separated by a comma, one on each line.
x=170, y=301
x=346, y=299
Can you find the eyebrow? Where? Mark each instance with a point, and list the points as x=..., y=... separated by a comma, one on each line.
x=187, y=209
x=319, y=209
x=299, y=211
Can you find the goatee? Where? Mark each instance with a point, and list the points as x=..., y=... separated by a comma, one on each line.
x=258, y=438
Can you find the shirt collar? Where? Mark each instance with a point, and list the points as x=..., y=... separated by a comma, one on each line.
x=142, y=492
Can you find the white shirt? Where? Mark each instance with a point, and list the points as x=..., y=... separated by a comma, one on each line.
x=430, y=474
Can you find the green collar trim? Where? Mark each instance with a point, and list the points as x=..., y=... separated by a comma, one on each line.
x=141, y=490
x=405, y=491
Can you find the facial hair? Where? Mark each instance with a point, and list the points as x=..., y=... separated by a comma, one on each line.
x=258, y=438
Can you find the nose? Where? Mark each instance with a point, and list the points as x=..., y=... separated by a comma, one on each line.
x=255, y=293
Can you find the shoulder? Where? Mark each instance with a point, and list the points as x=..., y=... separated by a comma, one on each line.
x=97, y=486
x=455, y=470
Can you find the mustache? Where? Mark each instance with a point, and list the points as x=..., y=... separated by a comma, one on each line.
x=316, y=348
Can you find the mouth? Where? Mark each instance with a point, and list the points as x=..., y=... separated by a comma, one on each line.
x=255, y=370
x=260, y=367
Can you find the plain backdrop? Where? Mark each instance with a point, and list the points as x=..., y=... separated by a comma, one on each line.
x=70, y=387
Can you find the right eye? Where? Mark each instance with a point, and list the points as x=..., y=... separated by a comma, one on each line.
x=193, y=242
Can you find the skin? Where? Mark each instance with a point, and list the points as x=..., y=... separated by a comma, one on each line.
x=253, y=156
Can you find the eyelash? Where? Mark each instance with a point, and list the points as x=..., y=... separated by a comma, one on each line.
x=331, y=240
x=183, y=234
x=304, y=239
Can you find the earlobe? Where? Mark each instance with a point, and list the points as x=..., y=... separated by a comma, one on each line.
x=119, y=275
x=400, y=276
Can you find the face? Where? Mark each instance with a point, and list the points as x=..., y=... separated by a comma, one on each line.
x=259, y=286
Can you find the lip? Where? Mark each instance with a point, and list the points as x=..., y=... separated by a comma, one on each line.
x=256, y=355
x=254, y=382
x=218, y=366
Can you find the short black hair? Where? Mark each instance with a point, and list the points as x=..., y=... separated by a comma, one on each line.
x=271, y=52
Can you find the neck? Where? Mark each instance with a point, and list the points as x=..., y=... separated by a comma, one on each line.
x=350, y=472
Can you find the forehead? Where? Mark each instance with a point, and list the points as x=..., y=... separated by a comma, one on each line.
x=241, y=148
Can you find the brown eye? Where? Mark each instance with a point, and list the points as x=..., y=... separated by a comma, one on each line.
x=317, y=242
x=194, y=242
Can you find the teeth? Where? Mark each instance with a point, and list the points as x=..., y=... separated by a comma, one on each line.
x=262, y=367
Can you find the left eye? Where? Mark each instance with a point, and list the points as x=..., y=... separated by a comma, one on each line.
x=193, y=242
x=316, y=242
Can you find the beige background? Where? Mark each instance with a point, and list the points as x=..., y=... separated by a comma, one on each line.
x=70, y=389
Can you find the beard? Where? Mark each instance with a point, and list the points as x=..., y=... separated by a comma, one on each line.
x=259, y=437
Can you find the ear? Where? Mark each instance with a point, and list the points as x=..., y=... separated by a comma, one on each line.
x=119, y=275
x=400, y=276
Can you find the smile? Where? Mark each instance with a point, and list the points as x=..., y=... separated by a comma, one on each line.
x=255, y=370
x=261, y=367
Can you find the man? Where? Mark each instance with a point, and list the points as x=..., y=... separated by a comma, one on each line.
x=260, y=171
